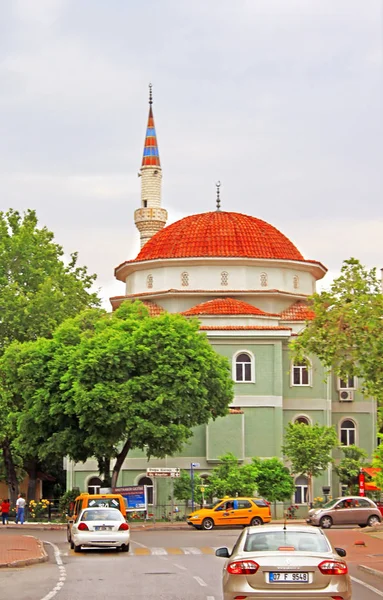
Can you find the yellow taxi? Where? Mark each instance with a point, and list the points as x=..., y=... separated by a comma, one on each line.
x=231, y=511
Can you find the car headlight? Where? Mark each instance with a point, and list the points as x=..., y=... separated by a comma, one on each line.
x=194, y=517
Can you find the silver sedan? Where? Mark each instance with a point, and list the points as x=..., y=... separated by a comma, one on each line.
x=102, y=527
x=284, y=561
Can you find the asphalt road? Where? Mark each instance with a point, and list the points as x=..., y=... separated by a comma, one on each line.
x=162, y=565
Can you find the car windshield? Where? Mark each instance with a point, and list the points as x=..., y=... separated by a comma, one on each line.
x=331, y=503
x=101, y=515
x=104, y=503
x=300, y=541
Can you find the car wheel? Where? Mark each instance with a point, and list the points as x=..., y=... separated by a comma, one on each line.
x=373, y=520
x=77, y=548
x=71, y=545
x=125, y=548
x=207, y=524
x=362, y=526
x=325, y=522
x=256, y=521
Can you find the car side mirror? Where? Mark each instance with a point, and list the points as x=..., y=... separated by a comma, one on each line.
x=222, y=552
x=341, y=551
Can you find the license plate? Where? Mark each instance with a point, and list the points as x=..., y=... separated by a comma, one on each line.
x=102, y=528
x=288, y=577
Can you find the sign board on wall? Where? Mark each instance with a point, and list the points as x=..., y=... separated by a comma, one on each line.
x=135, y=497
x=163, y=472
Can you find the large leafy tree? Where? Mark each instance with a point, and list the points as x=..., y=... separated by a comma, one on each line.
x=107, y=383
x=346, y=332
x=349, y=466
x=308, y=448
x=39, y=289
x=229, y=478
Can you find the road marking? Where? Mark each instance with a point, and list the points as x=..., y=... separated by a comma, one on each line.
x=158, y=551
x=210, y=598
x=200, y=581
x=62, y=572
x=180, y=567
x=142, y=551
x=369, y=587
x=174, y=550
x=190, y=550
x=138, y=544
x=207, y=550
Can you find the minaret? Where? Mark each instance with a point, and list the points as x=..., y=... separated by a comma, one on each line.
x=150, y=218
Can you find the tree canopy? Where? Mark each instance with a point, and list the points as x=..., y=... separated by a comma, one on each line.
x=273, y=480
x=346, y=332
x=39, y=289
x=349, y=467
x=308, y=448
x=106, y=383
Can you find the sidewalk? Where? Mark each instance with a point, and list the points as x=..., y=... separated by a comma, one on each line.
x=21, y=550
x=363, y=549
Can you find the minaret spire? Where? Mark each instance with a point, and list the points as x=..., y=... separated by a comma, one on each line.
x=218, y=185
x=150, y=218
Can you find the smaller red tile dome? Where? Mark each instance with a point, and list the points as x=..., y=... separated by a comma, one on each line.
x=219, y=234
x=299, y=311
x=226, y=306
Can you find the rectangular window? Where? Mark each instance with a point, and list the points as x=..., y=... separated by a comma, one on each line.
x=247, y=372
x=301, y=375
x=238, y=371
x=296, y=376
x=347, y=384
x=301, y=494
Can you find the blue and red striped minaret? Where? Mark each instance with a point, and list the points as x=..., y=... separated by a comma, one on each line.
x=151, y=155
x=151, y=217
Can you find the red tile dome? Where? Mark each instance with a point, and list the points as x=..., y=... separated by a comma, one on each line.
x=226, y=306
x=219, y=233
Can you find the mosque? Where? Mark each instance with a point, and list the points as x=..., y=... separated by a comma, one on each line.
x=248, y=285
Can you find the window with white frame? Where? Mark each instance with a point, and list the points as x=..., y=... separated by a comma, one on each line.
x=224, y=278
x=301, y=489
x=149, y=487
x=350, y=383
x=244, y=367
x=185, y=279
x=301, y=373
x=149, y=281
x=302, y=420
x=263, y=279
x=347, y=432
x=94, y=485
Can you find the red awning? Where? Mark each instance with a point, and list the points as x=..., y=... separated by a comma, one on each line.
x=370, y=486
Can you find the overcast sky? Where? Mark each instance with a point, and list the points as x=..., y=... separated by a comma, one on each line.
x=281, y=100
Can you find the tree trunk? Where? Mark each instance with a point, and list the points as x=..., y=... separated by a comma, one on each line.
x=10, y=472
x=104, y=470
x=31, y=467
x=119, y=462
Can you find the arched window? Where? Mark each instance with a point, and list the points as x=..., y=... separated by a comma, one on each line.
x=302, y=419
x=350, y=383
x=295, y=282
x=263, y=279
x=149, y=281
x=347, y=432
x=243, y=367
x=185, y=279
x=301, y=488
x=224, y=278
x=301, y=373
x=149, y=487
x=94, y=485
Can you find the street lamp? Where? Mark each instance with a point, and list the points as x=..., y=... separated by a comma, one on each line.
x=192, y=467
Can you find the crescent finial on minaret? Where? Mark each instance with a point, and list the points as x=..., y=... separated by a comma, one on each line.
x=218, y=185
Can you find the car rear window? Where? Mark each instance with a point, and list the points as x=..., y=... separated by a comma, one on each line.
x=260, y=503
x=272, y=541
x=104, y=503
x=101, y=515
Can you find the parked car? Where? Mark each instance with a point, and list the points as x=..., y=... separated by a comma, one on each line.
x=102, y=527
x=232, y=511
x=284, y=561
x=347, y=510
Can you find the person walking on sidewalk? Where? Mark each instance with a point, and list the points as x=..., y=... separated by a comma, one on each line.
x=20, y=506
x=5, y=506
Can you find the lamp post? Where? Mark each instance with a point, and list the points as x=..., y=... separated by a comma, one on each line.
x=192, y=467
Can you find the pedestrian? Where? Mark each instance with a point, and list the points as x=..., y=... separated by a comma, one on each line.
x=5, y=506
x=20, y=506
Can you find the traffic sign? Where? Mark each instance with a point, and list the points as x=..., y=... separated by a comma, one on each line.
x=163, y=472
x=195, y=465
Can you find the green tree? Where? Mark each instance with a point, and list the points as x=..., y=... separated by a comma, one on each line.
x=108, y=383
x=349, y=466
x=308, y=448
x=38, y=290
x=229, y=478
x=346, y=332
x=182, y=487
x=273, y=480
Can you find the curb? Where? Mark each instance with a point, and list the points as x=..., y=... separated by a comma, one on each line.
x=28, y=561
x=371, y=571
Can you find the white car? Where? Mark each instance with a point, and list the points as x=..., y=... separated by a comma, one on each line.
x=100, y=527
